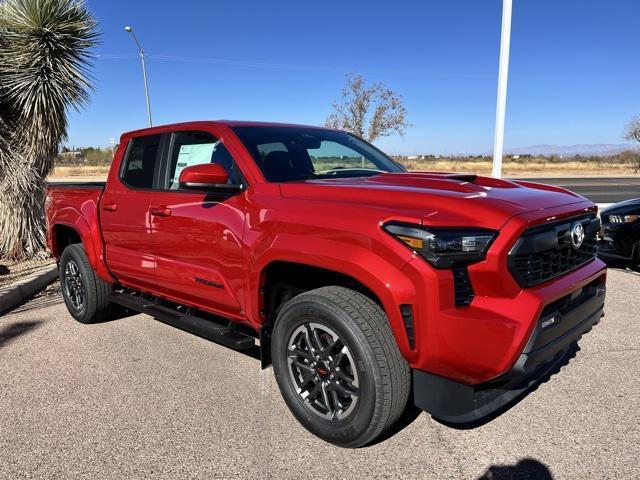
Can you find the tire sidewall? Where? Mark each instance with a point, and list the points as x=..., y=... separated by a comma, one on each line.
x=75, y=253
x=340, y=432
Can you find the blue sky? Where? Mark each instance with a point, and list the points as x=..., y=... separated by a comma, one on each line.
x=574, y=76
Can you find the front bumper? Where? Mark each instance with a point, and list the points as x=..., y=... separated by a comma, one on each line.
x=560, y=324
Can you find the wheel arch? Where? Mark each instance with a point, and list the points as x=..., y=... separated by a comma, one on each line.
x=63, y=235
x=281, y=278
x=69, y=227
x=271, y=286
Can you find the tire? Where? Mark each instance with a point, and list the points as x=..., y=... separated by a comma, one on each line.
x=371, y=366
x=635, y=256
x=86, y=295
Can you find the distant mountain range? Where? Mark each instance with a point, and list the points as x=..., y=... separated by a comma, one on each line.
x=603, y=149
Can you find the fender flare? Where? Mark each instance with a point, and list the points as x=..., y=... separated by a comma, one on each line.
x=385, y=280
x=89, y=234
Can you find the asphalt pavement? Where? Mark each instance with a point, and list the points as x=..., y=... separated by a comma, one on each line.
x=596, y=189
x=135, y=398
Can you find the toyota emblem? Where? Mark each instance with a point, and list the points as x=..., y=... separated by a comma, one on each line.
x=577, y=235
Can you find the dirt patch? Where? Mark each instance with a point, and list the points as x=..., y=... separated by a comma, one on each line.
x=21, y=269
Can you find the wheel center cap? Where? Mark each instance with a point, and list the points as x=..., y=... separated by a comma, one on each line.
x=322, y=370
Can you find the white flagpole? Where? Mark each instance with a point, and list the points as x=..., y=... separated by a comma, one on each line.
x=503, y=72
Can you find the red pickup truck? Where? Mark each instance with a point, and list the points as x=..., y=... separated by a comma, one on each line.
x=361, y=282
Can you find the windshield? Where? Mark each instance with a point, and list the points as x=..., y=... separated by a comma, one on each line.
x=298, y=153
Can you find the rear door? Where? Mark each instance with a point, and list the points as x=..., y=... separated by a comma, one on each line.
x=124, y=213
x=197, y=235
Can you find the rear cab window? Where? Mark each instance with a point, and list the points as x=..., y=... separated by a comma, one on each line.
x=141, y=162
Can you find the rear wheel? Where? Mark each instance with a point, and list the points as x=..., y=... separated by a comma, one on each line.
x=86, y=295
x=338, y=366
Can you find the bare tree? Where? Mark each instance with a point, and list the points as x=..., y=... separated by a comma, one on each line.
x=632, y=130
x=44, y=56
x=632, y=134
x=632, y=157
x=370, y=112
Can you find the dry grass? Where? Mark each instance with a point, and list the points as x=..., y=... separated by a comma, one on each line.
x=100, y=170
x=532, y=167
x=523, y=169
x=19, y=270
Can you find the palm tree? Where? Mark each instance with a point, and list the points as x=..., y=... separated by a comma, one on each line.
x=45, y=53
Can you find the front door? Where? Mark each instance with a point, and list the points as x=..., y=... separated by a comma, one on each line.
x=124, y=213
x=197, y=236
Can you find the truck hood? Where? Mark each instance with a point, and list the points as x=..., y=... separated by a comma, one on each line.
x=436, y=198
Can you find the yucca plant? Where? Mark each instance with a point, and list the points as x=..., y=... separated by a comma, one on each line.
x=45, y=54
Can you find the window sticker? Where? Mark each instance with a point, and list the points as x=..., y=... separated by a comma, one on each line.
x=189, y=155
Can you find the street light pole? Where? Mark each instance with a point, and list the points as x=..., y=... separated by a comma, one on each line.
x=144, y=71
x=501, y=103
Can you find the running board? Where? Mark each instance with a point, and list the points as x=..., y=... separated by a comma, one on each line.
x=197, y=325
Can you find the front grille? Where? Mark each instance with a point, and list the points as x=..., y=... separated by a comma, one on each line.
x=546, y=251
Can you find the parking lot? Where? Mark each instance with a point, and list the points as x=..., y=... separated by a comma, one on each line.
x=134, y=398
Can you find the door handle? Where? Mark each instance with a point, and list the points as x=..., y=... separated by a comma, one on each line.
x=109, y=207
x=161, y=211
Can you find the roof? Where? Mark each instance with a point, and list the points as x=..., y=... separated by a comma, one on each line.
x=227, y=123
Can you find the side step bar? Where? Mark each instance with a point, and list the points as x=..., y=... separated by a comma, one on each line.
x=197, y=325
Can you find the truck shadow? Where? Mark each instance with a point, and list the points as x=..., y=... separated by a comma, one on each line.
x=410, y=414
x=38, y=303
x=525, y=469
x=570, y=354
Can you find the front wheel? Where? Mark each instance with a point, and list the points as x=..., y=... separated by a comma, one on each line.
x=86, y=295
x=338, y=366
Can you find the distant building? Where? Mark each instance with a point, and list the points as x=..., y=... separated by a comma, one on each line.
x=71, y=154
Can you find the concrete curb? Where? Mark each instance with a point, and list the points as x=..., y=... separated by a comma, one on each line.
x=13, y=295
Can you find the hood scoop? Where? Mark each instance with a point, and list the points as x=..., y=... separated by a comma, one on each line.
x=452, y=182
x=460, y=177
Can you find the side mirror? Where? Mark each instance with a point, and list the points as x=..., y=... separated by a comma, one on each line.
x=206, y=176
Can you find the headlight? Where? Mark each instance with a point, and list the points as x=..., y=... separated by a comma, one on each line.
x=623, y=218
x=444, y=247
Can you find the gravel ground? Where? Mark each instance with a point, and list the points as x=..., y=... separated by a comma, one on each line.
x=134, y=398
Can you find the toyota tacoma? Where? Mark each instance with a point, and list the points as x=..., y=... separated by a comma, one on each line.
x=362, y=283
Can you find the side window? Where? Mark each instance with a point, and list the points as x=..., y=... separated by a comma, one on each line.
x=194, y=148
x=141, y=161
